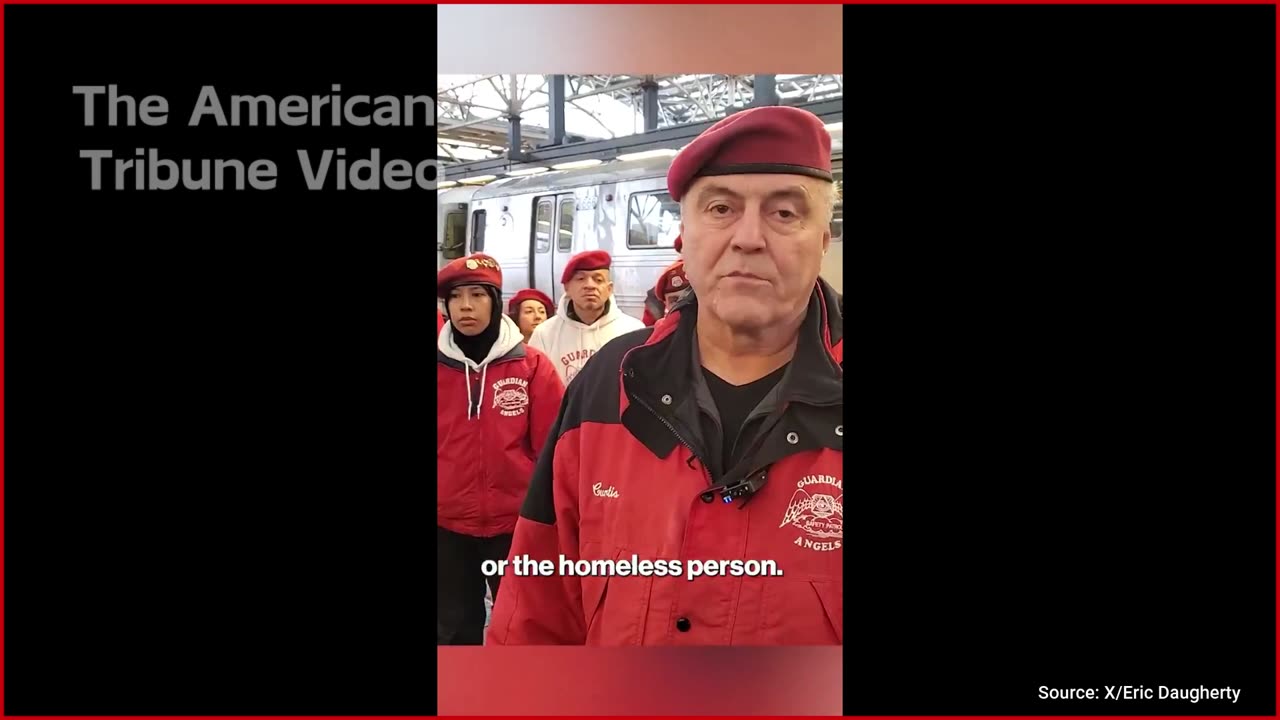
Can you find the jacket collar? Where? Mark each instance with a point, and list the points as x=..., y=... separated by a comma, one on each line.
x=661, y=378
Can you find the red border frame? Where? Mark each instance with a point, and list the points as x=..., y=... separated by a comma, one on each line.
x=501, y=2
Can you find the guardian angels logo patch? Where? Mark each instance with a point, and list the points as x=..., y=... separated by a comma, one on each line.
x=511, y=396
x=818, y=514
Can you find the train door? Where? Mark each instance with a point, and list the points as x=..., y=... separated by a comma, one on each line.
x=453, y=235
x=565, y=212
x=544, y=210
x=552, y=242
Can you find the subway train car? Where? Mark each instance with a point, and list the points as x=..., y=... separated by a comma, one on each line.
x=451, y=221
x=532, y=225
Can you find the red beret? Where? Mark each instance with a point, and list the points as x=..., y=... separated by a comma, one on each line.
x=589, y=260
x=679, y=244
x=531, y=294
x=773, y=139
x=477, y=269
x=671, y=280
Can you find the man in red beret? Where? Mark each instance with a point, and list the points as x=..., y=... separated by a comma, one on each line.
x=672, y=285
x=706, y=452
x=530, y=308
x=496, y=402
x=587, y=318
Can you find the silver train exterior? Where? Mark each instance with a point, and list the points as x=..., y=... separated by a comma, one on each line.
x=532, y=225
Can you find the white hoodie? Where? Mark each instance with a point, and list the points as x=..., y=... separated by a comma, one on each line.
x=508, y=337
x=570, y=343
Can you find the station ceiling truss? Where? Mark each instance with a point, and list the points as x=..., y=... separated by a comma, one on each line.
x=463, y=121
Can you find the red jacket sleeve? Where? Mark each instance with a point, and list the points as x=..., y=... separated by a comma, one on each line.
x=654, y=308
x=545, y=610
x=548, y=392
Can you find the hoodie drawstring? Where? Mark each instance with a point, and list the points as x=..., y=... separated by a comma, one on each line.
x=484, y=373
x=466, y=373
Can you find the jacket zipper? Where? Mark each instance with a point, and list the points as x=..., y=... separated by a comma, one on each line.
x=485, y=487
x=484, y=474
x=711, y=484
x=702, y=464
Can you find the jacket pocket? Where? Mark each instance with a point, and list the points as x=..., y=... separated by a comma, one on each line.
x=832, y=596
x=594, y=590
x=802, y=612
x=615, y=608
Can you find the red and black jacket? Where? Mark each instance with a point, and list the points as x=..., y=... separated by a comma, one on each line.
x=626, y=479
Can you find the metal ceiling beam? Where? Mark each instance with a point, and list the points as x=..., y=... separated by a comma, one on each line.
x=650, y=89
x=450, y=89
x=442, y=100
x=706, y=111
x=679, y=99
x=556, y=108
x=765, y=90
x=577, y=96
x=454, y=126
x=626, y=84
x=675, y=137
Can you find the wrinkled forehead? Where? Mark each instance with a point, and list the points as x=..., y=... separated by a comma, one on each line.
x=758, y=186
x=584, y=274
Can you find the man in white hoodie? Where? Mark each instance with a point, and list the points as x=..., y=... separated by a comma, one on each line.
x=588, y=318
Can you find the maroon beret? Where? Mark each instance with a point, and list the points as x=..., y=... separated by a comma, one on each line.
x=672, y=280
x=477, y=269
x=531, y=294
x=773, y=139
x=679, y=244
x=589, y=260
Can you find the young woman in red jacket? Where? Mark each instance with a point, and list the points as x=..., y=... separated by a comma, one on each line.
x=498, y=399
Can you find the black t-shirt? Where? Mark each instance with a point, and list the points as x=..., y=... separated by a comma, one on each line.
x=735, y=403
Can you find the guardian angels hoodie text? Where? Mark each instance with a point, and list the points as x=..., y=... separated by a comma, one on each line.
x=570, y=343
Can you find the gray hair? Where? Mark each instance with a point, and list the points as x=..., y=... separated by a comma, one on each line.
x=832, y=198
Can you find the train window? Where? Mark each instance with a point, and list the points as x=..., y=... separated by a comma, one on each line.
x=565, y=241
x=455, y=236
x=542, y=227
x=653, y=221
x=477, y=231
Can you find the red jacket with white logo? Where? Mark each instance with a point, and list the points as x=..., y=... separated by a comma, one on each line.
x=625, y=480
x=493, y=419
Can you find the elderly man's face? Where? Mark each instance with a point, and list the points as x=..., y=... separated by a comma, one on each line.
x=753, y=245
